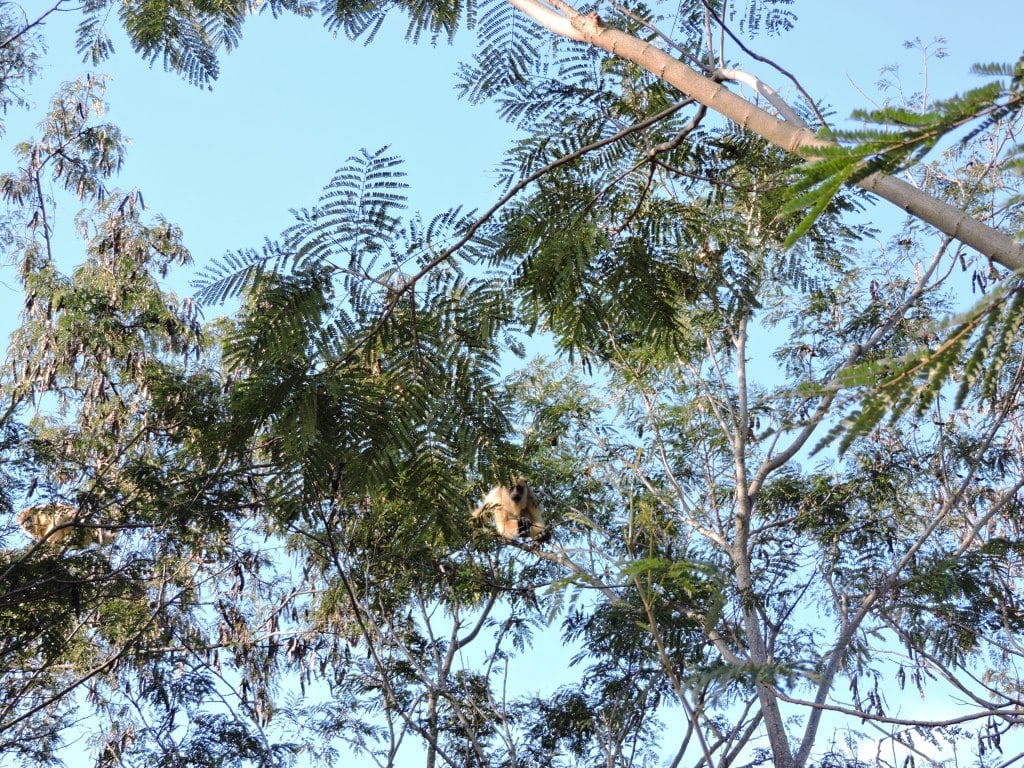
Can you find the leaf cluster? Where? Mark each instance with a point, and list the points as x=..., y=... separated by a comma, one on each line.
x=20, y=49
x=902, y=140
x=977, y=348
x=364, y=368
x=112, y=404
x=185, y=35
x=950, y=603
x=188, y=36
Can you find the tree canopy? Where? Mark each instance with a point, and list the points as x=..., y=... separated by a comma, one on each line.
x=779, y=446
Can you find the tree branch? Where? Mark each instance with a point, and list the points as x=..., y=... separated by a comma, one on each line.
x=997, y=245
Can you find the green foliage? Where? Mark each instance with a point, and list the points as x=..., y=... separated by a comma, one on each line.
x=977, y=347
x=354, y=371
x=579, y=727
x=186, y=36
x=953, y=602
x=653, y=274
x=616, y=246
x=688, y=550
x=770, y=17
x=73, y=149
x=219, y=741
x=292, y=483
x=19, y=59
x=904, y=139
x=112, y=404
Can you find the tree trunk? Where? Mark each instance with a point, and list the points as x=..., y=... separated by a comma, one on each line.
x=566, y=21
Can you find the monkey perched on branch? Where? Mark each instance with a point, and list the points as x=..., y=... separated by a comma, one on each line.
x=60, y=525
x=515, y=511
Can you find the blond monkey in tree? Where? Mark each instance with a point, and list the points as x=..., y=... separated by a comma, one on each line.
x=59, y=525
x=515, y=511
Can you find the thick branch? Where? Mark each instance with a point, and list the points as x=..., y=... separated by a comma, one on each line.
x=767, y=92
x=998, y=246
x=548, y=17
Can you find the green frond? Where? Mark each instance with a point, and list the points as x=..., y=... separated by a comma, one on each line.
x=428, y=241
x=355, y=366
x=92, y=40
x=818, y=199
x=185, y=38
x=999, y=69
x=768, y=17
x=529, y=83
x=437, y=19
x=907, y=137
x=355, y=18
x=1002, y=335
x=507, y=51
x=990, y=329
x=358, y=18
x=356, y=216
x=955, y=601
x=235, y=273
x=891, y=116
x=278, y=321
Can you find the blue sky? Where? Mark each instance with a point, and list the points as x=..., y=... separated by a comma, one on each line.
x=292, y=103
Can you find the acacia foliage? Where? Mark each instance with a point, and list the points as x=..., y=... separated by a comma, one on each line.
x=296, y=570
x=708, y=577
x=111, y=404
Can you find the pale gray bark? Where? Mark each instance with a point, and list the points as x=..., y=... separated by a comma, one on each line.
x=564, y=20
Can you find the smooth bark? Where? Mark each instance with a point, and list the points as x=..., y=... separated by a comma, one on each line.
x=566, y=21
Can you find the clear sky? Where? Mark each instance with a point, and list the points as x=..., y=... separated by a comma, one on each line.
x=292, y=103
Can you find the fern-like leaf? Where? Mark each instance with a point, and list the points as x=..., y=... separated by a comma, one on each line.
x=904, y=139
x=991, y=329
